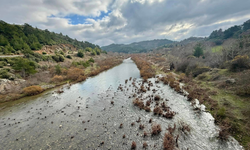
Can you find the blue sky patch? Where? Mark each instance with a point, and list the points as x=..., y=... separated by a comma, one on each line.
x=78, y=19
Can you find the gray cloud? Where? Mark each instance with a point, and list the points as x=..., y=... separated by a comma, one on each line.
x=129, y=20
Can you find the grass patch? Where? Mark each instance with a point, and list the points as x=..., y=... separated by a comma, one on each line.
x=216, y=49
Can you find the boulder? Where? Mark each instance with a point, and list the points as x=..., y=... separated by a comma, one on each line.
x=230, y=81
x=7, y=85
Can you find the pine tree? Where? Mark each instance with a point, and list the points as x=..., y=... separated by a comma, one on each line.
x=198, y=51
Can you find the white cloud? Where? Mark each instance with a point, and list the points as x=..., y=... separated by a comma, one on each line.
x=128, y=20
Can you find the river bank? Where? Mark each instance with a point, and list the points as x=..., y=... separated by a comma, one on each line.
x=99, y=113
x=218, y=90
x=53, y=76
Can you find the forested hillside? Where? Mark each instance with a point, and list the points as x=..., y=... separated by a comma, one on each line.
x=18, y=38
x=218, y=36
x=136, y=47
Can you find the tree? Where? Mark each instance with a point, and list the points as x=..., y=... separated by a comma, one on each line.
x=230, y=32
x=3, y=41
x=25, y=66
x=198, y=51
x=88, y=49
x=58, y=69
x=246, y=25
x=80, y=54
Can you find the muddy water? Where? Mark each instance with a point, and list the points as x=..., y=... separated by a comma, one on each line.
x=83, y=117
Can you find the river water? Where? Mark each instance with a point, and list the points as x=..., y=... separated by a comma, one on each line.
x=83, y=117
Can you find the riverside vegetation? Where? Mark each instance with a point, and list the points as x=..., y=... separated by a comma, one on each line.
x=214, y=70
x=46, y=60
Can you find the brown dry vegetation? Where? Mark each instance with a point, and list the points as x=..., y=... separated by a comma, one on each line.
x=133, y=145
x=144, y=66
x=32, y=90
x=156, y=129
x=211, y=88
x=47, y=74
x=168, y=142
x=57, y=79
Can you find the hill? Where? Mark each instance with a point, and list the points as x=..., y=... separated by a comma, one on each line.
x=137, y=47
x=237, y=31
x=19, y=38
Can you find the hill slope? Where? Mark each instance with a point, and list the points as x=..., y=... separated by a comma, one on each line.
x=136, y=47
x=19, y=38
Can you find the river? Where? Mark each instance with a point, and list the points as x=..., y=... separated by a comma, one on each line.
x=82, y=117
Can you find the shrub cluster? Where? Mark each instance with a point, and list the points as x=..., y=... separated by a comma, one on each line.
x=32, y=90
x=240, y=63
x=145, y=68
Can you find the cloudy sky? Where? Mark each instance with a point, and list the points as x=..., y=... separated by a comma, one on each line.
x=104, y=22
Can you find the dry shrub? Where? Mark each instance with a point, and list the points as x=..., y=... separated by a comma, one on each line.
x=240, y=63
x=145, y=145
x=169, y=114
x=157, y=111
x=157, y=97
x=139, y=103
x=147, y=109
x=144, y=66
x=74, y=73
x=223, y=133
x=32, y=90
x=141, y=126
x=148, y=103
x=191, y=96
x=156, y=129
x=143, y=89
x=9, y=96
x=133, y=145
x=168, y=142
x=106, y=64
x=57, y=78
x=81, y=78
x=169, y=79
x=185, y=128
x=170, y=129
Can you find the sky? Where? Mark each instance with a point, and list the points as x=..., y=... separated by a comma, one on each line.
x=104, y=22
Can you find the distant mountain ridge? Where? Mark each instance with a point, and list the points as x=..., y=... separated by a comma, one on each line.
x=137, y=47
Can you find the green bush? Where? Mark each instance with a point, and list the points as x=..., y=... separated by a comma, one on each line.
x=47, y=58
x=58, y=58
x=93, y=53
x=61, y=52
x=88, y=49
x=44, y=53
x=58, y=69
x=4, y=74
x=199, y=70
x=221, y=114
x=2, y=64
x=74, y=63
x=80, y=54
x=69, y=57
x=25, y=66
x=91, y=60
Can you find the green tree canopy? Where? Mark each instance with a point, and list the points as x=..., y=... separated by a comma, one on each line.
x=198, y=50
x=80, y=54
x=25, y=66
x=3, y=41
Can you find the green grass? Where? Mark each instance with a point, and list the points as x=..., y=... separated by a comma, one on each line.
x=216, y=49
x=233, y=105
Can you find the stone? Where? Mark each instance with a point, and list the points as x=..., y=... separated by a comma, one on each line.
x=230, y=81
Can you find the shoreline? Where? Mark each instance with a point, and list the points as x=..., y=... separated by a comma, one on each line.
x=91, y=74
